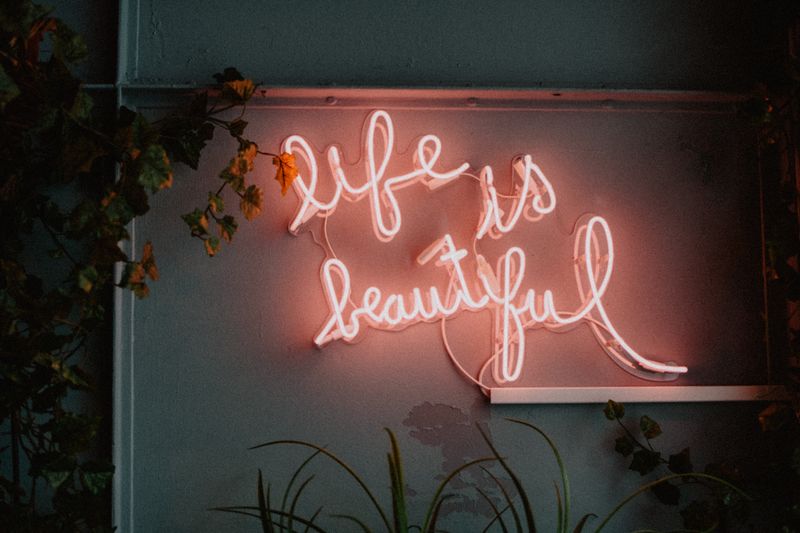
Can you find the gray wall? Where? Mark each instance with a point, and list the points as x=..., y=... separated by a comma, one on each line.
x=203, y=374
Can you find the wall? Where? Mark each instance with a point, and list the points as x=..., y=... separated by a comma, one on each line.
x=202, y=376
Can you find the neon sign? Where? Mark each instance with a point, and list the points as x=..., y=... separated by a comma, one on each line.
x=499, y=289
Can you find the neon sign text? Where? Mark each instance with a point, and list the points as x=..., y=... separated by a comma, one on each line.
x=498, y=289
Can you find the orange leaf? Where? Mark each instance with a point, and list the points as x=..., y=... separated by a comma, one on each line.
x=287, y=170
x=149, y=262
x=252, y=202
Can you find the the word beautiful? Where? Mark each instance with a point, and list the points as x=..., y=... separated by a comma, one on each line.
x=499, y=289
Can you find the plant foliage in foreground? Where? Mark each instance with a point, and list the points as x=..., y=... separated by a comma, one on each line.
x=71, y=180
x=514, y=511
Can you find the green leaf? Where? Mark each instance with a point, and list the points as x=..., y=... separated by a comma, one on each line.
x=96, y=475
x=8, y=89
x=650, y=428
x=526, y=504
x=397, y=485
x=252, y=202
x=68, y=46
x=293, y=479
x=56, y=478
x=117, y=208
x=670, y=477
x=237, y=127
x=263, y=506
x=563, y=516
x=212, y=245
x=227, y=227
x=435, y=517
x=81, y=106
x=197, y=222
x=614, y=410
x=87, y=277
x=133, y=277
x=680, y=463
x=623, y=445
x=583, y=521
x=498, y=514
x=215, y=203
x=154, y=170
x=341, y=463
x=645, y=461
x=72, y=374
x=667, y=493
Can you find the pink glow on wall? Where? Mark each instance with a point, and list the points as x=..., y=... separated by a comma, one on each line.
x=498, y=290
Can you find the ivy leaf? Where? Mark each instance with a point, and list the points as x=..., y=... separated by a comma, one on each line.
x=623, y=445
x=68, y=46
x=645, y=461
x=96, y=475
x=680, y=463
x=149, y=261
x=57, y=474
x=240, y=165
x=650, y=428
x=238, y=91
x=184, y=137
x=87, y=277
x=155, y=172
x=227, y=227
x=197, y=222
x=614, y=410
x=79, y=155
x=286, y=171
x=215, y=203
x=133, y=132
x=71, y=374
x=229, y=74
x=237, y=127
x=251, y=203
x=117, y=209
x=133, y=278
x=82, y=105
x=8, y=89
x=212, y=245
x=667, y=493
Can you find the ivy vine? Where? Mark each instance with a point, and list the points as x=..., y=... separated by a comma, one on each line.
x=72, y=178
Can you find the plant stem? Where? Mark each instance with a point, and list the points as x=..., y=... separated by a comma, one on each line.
x=649, y=486
x=57, y=242
x=630, y=435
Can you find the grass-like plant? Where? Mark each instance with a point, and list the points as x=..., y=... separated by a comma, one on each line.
x=515, y=512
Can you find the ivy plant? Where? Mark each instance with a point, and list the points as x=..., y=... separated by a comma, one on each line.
x=72, y=177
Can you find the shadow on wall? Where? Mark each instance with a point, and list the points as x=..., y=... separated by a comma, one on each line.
x=453, y=431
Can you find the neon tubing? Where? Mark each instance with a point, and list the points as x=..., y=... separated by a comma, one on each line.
x=498, y=290
x=378, y=186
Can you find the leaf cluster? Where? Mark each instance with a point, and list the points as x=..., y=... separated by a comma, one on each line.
x=72, y=178
x=722, y=503
x=512, y=512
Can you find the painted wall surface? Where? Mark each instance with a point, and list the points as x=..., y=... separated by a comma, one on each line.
x=222, y=357
x=214, y=361
x=629, y=44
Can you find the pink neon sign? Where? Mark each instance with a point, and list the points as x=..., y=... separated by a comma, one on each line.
x=499, y=289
